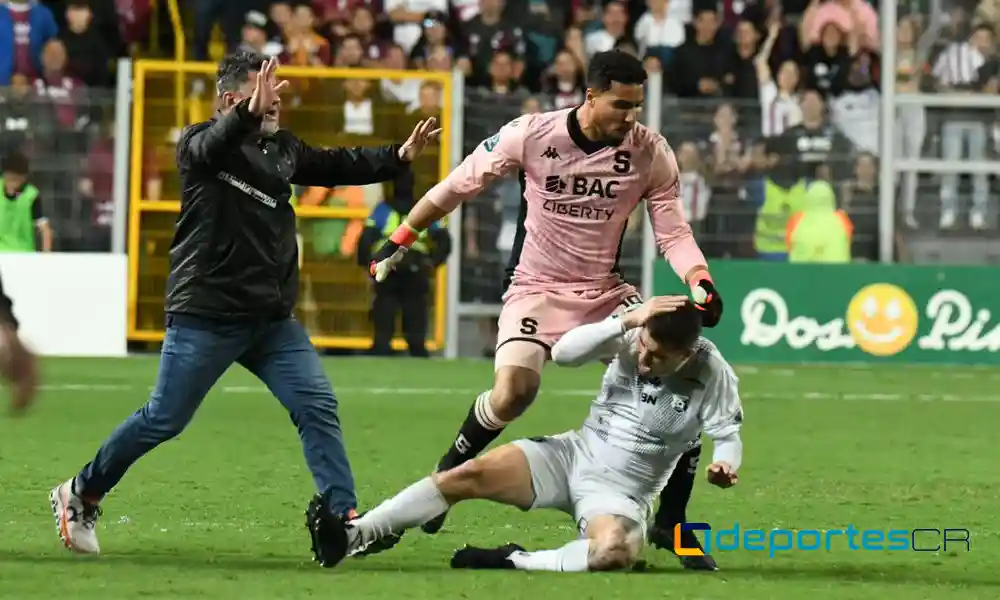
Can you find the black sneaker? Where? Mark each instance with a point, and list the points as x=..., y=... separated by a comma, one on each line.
x=328, y=533
x=484, y=558
x=434, y=525
x=380, y=545
x=663, y=538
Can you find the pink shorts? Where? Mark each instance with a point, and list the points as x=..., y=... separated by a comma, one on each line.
x=541, y=318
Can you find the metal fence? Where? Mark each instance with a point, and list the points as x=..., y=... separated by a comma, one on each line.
x=67, y=134
x=944, y=134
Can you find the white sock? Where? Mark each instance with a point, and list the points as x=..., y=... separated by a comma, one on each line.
x=571, y=558
x=413, y=506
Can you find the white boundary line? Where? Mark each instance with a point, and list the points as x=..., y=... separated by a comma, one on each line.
x=588, y=393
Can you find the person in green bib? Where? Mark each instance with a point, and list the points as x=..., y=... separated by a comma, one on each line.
x=20, y=210
x=819, y=232
x=407, y=289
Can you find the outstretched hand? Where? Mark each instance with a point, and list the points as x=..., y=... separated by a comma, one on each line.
x=424, y=133
x=721, y=474
x=267, y=88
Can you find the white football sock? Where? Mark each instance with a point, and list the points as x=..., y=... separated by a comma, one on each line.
x=413, y=506
x=571, y=558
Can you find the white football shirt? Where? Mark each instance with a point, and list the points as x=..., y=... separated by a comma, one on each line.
x=640, y=427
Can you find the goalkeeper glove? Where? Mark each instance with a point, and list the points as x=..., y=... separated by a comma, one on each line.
x=392, y=252
x=706, y=298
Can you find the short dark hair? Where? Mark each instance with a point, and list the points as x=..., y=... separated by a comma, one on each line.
x=234, y=70
x=614, y=65
x=15, y=162
x=678, y=330
x=982, y=26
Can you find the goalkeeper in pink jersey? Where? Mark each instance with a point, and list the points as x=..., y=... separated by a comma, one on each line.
x=583, y=171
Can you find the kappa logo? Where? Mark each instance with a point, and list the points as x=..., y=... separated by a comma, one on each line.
x=551, y=153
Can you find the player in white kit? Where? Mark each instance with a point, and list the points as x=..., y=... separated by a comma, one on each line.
x=665, y=386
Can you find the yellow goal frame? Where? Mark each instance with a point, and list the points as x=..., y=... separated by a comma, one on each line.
x=138, y=205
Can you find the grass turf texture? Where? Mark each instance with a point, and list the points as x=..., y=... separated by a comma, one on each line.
x=218, y=513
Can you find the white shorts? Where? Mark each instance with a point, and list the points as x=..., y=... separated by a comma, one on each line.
x=565, y=476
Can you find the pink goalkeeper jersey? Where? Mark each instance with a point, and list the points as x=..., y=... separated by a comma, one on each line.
x=577, y=198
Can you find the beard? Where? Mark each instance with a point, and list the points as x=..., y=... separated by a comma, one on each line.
x=269, y=127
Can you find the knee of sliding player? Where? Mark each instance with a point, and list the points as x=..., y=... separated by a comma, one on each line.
x=468, y=481
x=610, y=550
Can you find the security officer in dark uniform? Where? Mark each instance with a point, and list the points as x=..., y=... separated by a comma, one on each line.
x=233, y=282
x=407, y=289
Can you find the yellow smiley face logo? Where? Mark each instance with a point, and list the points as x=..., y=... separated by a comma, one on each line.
x=882, y=319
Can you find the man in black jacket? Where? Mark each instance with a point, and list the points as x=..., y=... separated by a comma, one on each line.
x=232, y=286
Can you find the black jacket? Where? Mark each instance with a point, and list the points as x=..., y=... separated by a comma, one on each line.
x=234, y=254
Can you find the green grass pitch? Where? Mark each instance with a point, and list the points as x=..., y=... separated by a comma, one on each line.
x=218, y=513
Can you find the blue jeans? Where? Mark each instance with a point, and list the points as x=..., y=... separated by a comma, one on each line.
x=196, y=352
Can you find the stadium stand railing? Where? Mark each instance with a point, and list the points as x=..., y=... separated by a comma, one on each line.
x=335, y=293
x=938, y=141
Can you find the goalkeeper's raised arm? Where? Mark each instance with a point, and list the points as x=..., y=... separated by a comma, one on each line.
x=673, y=233
x=492, y=159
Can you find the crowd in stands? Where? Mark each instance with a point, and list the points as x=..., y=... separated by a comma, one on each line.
x=758, y=94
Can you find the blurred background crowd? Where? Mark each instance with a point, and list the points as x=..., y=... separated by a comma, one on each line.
x=759, y=99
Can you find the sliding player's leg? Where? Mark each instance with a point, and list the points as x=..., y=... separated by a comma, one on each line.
x=527, y=327
x=502, y=475
x=612, y=543
x=564, y=476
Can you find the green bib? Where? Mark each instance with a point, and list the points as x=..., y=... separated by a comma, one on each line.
x=17, y=226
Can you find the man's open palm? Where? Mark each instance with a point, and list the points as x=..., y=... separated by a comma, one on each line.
x=267, y=88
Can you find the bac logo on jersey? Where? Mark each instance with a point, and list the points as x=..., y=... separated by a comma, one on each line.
x=583, y=187
x=595, y=187
x=554, y=184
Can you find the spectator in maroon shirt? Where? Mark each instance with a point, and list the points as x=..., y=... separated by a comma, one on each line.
x=564, y=83
x=350, y=52
x=337, y=16
x=67, y=94
x=97, y=185
x=487, y=34
x=363, y=25
x=25, y=27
